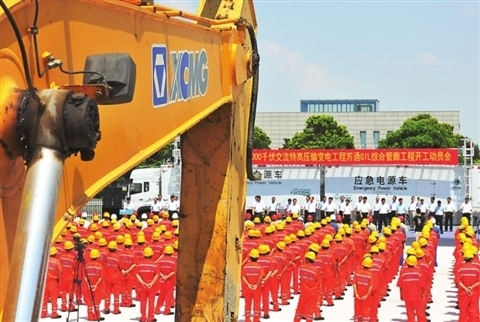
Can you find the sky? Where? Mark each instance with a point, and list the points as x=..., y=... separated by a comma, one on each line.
x=410, y=55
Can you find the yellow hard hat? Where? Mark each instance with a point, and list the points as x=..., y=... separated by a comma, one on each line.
x=127, y=235
x=311, y=256
x=95, y=218
x=468, y=241
x=355, y=223
x=287, y=240
x=163, y=228
x=156, y=236
x=68, y=245
x=267, y=219
x=176, y=232
x=139, y=225
x=112, y=245
x=69, y=225
x=53, y=251
x=357, y=228
x=156, y=218
x=325, y=243
x=415, y=245
x=98, y=235
x=128, y=242
x=167, y=235
x=338, y=238
x=102, y=242
x=295, y=215
x=106, y=215
x=251, y=233
x=254, y=253
x=140, y=239
x=81, y=222
x=419, y=253
x=258, y=233
x=268, y=230
x=73, y=229
x=116, y=226
x=368, y=255
x=367, y=262
x=474, y=249
x=425, y=234
x=348, y=231
x=293, y=237
x=328, y=219
x=461, y=237
x=363, y=225
x=374, y=249
x=175, y=223
x=323, y=222
x=168, y=250
x=150, y=222
x=280, y=227
x=468, y=254
x=382, y=239
x=175, y=244
x=114, y=221
x=94, y=253
x=133, y=217
x=422, y=241
x=263, y=249
x=128, y=224
x=165, y=215
x=281, y=245
x=308, y=232
x=466, y=247
x=64, y=232
x=59, y=239
x=148, y=251
x=372, y=239
x=411, y=261
x=93, y=227
x=382, y=246
x=387, y=231
x=411, y=251
x=120, y=239
x=300, y=233
x=375, y=234
x=329, y=237
x=256, y=220
x=315, y=247
x=249, y=224
x=91, y=238
x=289, y=219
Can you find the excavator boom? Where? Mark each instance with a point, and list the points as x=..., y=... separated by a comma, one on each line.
x=91, y=88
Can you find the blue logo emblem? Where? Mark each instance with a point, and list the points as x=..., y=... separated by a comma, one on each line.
x=160, y=75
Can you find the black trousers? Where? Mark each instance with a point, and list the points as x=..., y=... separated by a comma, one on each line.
x=439, y=222
x=383, y=221
x=391, y=215
x=347, y=219
x=258, y=215
x=328, y=213
x=449, y=221
x=364, y=215
x=469, y=217
x=376, y=217
x=358, y=216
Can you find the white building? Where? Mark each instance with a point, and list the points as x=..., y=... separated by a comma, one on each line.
x=366, y=127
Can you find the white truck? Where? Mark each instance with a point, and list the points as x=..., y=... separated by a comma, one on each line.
x=148, y=183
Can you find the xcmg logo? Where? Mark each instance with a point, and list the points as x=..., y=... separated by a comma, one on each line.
x=189, y=75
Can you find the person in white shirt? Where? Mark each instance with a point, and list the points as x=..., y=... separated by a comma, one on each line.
x=295, y=207
x=365, y=208
x=173, y=207
x=305, y=206
x=432, y=207
x=450, y=211
x=323, y=207
x=155, y=206
x=393, y=208
x=383, y=213
x=330, y=208
x=411, y=211
x=272, y=207
x=358, y=213
x=466, y=209
x=341, y=205
x=376, y=211
x=423, y=208
x=129, y=205
x=258, y=208
x=439, y=213
x=288, y=206
x=347, y=212
x=312, y=208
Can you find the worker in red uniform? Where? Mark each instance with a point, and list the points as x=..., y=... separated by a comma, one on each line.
x=92, y=285
x=157, y=246
x=113, y=278
x=147, y=273
x=310, y=277
x=363, y=283
x=54, y=273
x=68, y=261
x=413, y=283
x=378, y=269
x=341, y=255
x=467, y=280
x=270, y=267
x=329, y=264
x=128, y=279
x=252, y=278
x=167, y=270
x=298, y=253
x=360, y=245
x=286, y=280
x=282, y=261
x=315, y=248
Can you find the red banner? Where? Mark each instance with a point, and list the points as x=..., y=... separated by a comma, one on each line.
x=356, y=157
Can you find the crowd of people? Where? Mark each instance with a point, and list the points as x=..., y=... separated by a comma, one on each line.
x=103, y=259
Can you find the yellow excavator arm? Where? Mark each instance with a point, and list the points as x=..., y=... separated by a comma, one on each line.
x=89, y=89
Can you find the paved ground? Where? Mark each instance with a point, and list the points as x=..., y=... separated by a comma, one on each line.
x=442, y=310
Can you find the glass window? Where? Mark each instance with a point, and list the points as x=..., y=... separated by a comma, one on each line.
x=363, y=139
x=135, y=188
x=335, y=108
x=146, y=186
x=376, y=138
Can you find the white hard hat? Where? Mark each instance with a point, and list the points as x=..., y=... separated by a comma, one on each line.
x=333, y=217
x=144, y=216
x=114, y=216
x=175, y=216
x=300, y=218
x=84, y=215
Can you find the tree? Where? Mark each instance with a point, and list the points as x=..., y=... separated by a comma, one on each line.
x=260, y=139
x=421, y=131
x=158, y=158
x=321, y=132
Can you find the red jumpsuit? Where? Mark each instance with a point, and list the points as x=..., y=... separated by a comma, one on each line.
x=167, y=268
x=68, y=260
x=129, y=280
x=363, y=283
x=148, y=272
x=310, y=278
x=94, y=271
x=378, y=269
x=468, y=274
x=287, y=278
x=113, y=277
x=413, y=283
x=329, y=264
x=253, y=274
x=298, y=253
x=54, y=271
x=318, y=303
x=269, y=266
x=360, y=246
x=340, y=253
x=282, y=262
